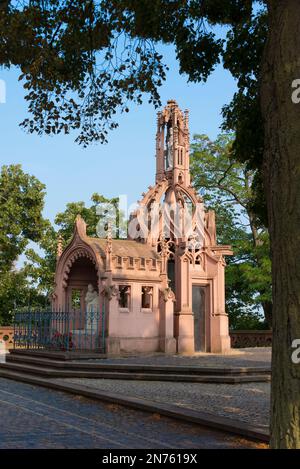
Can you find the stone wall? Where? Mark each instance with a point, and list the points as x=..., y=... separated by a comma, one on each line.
x=243, y=339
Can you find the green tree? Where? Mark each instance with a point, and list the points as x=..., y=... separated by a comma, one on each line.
x=227, y=187
x=21, y=221
x=81, y=61
x=17, y=290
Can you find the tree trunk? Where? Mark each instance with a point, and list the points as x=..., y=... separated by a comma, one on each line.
x=268, y=308
x=281, y=65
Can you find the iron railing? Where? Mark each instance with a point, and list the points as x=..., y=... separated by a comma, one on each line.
x=60, y=330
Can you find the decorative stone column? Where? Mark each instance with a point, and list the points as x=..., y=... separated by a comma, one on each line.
x=110, y=296
x=185, y=331
x=110, y=293
x=184, y=317
x=220, y=339
x=167, y=342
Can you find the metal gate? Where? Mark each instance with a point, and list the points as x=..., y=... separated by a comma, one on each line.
x=60, y=330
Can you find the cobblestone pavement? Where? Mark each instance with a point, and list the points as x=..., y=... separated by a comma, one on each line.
x=248, y=402
x=35, y=417
x=260, y=356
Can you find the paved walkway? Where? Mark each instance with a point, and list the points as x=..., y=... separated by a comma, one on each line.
x=260, y=356
x=247, y=402
x=35, y=417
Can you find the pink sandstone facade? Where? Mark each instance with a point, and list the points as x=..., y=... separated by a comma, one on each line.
x=160, y=289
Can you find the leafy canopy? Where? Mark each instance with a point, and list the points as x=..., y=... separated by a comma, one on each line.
x=17, y=290
x=21, y=221
x=81, y=62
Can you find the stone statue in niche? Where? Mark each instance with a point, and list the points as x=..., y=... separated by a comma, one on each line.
x=92, y=308
x=169, y=150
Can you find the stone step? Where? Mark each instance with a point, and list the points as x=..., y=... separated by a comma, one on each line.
x=99, y=365
x=69, y=373
x=59, y=355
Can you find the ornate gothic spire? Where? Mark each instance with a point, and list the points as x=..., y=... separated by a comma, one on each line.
x=172, y=145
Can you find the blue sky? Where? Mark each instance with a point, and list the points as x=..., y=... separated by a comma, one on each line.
x=126, y=165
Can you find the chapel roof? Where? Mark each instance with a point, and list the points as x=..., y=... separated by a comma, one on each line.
x=123, y=248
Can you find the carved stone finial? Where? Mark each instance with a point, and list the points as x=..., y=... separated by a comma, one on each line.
x=167, y=294
x=108, y=249
x=109, y=239
x=80, y=226
x=109, y=291
x=59, y=246
x=109, y=231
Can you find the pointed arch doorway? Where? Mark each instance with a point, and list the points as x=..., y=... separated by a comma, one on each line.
x=82, y=273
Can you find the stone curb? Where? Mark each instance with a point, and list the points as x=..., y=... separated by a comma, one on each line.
x=179, y=369
x=205, y=419
x=48, y=372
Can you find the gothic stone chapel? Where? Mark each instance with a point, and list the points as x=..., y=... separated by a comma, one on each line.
x=162, y=288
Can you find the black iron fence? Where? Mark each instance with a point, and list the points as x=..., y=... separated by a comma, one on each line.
x=60, y=330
